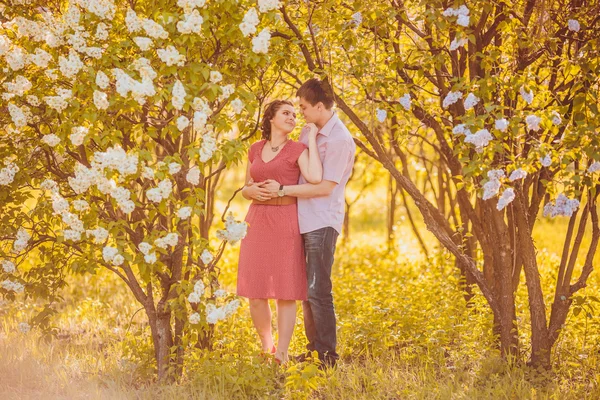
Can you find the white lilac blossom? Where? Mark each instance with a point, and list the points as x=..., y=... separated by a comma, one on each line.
x=101, y=31
x=479, y=139
x=145, y=247
x=51, y=139
x=178, y=93
x=518, y=173
x=194, y=318
x=72, y=235
x=99, y=234
x=220, y=293
x=457, y=43
x=16, y=58
x=182, y=122
x=194, y=298
x=41, y=58
x=154, y=30
x=199, y=104
x=357, y=18
x=184, y=212
x=546, y=161
x=8, y=266
x=70, y=66
x=231, y=307
x=24, y=327
x=18, y=115
x=527, y=96
x=226, y=91
x=171, y=56
x=533, y=122
x=234, y=230
x=260, y=43
x=471, y=101
x=7, y=174
x=189, y=5
x=451, y=98
x=556, y=119
x=109, y=253
x=214, y=314
x=501, y=124
x=150, y=258
x=505, y=199
x=116, y=158
x=562, y=206
x=193, y=176
x=4, y=45
x=248, y=25
x=405, y=101
x=209, y=146
x=100, y=100
x=59, y=204
x=192, y=23
x=19, y=86
x=492, y=186
x=594, y=167
x=174, y=168
x=381, y=114
x=102, y=80
x=574, y=25
x=461, y=129
x=462, y=14
x=200, y=119
x=143, y=43
x=12, y=286
x=206, y=256
x=215, y=77
x=33, y=100
x=237, y=105
x=49, y=184
x=118, y=260
x=199, y=287
x=147, y=173
x=78, y=134
x=268, y=5
x=170, y=239
x=81, y=205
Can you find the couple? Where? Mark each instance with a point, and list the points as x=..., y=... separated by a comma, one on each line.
x=296, y=215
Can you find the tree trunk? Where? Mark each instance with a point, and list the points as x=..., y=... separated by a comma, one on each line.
x=391, y=217
x=162, y=338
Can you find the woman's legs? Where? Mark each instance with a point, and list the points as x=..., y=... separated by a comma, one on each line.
x=261, y=317
x=286, y=319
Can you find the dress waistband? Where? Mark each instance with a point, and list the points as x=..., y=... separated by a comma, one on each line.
x=277, y=201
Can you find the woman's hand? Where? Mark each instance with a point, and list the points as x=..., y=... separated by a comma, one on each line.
x=312, y=130
x=254, y=190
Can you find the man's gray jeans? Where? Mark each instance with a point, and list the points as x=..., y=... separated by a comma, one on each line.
x=319, y=313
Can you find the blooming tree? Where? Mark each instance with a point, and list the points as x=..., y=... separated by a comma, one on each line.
x=119, y=118
x=503, y=97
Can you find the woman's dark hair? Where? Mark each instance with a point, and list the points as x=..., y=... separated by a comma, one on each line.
x=269, y=114
x=313, y=91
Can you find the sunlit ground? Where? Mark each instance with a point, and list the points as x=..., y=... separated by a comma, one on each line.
x=404, y=332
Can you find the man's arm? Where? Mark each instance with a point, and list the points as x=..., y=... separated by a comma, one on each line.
x=305, y=190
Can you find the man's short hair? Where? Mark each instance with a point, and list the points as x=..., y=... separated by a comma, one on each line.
x=313, y=91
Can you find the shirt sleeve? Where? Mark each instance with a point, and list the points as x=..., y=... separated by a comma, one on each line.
x=337, y=157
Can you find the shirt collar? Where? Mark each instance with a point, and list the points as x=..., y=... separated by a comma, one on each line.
x=326, y=129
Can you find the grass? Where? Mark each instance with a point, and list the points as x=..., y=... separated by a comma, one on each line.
x=404, y=333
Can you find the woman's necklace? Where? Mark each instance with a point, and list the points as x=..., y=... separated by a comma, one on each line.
x=276, y=148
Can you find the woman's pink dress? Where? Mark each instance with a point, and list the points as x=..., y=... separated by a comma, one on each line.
x=272, y=263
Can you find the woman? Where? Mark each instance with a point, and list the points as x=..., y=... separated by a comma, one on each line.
x=272, y=264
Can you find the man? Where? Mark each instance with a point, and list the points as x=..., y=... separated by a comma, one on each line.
x=321, y=213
